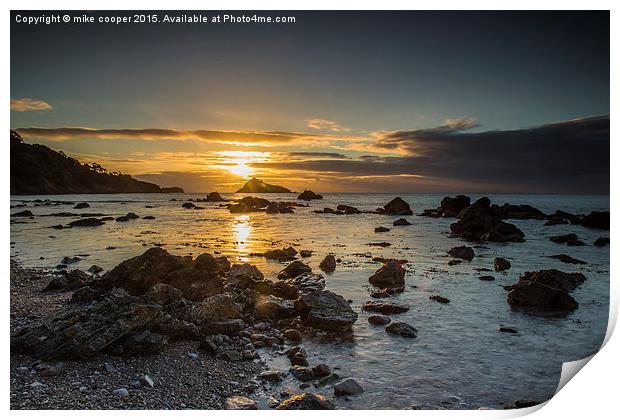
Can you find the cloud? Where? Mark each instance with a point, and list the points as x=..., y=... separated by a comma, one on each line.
x=328, y=155
x=322, y=124
x=564, y=157
x=266, y=138
x=28, y=104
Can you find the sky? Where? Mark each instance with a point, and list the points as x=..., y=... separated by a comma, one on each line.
x=513, y=102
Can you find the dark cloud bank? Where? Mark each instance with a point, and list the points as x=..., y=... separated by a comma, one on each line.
x=565, y=157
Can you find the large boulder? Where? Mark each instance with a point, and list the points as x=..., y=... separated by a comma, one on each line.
x=328, y=264
x=545, y=290
x=294, y=269
x=325, y=310
x=344, y=209
x=138, y=274
x=390, y=274
x=398, y=207
x=452, y=206
x=479, y=223
x=597, y=220
x=462, y=252
x=501, y=264
x=309, y=195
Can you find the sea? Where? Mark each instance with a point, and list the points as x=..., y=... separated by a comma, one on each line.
x=459, y=360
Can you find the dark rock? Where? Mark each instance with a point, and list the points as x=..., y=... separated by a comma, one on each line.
x=302, y=373
x=122, y=219
x=214, y=197
x=294, y=269
x=292, y=335
x=149, y=218
x=451, y=207
x=390, y=274
x=454, y=262
x=347, y=209
x=306, y=401
x=81, y=205
x=328, y=264
x=304, y=253
x=601, y=241
x=347, y=387
x=398, y=207
x=385, y=308
x=462, y=252
x=281, y=255
x=274, y=308
x=486, y=278
x=381, y=229
x=25, y=213
x=520, y=211
x=567, y=259
x=70, y=260
x=309, y=195
x=325, y=310
x=257, y=186
x=188, y=205
x=379, y=319
x=271, y=376
x=569, y=239
x=500, y=264
x=439, y=299
x=479, y=223
x=596, y=220
x=521, y=404
x=321, y=370
x=508, y=330
x=546, y=290
x=401, y=222
x=401, y=328
x=297, y=355
x=90, y=221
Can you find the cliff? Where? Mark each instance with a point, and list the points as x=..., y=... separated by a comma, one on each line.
x=37, y=169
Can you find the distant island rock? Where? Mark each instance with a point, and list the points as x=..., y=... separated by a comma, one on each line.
x=37, y=169
x=255, y=185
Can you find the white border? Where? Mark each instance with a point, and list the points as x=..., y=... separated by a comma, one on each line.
x=592, y=394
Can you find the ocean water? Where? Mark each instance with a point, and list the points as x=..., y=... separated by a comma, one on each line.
x=459, y=360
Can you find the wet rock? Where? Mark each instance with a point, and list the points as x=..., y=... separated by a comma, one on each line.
x=401, y=222
x=518, y=211
x=454, y=262
x=94, y=269
x=89, y=221
x=347, y=387
x=302, y=373
x=500, y=264
x=306, y=282
x=545, y=290
x=401, y=328
x=294, y=269
x=439, y=299
x=292, y=335
x=452, y=206
x=238, y=402
x=122, y=219
x=596, y=220
x=273, y=376
x=245, y=270
x=297, y=355
x=249, y=205
x=149, y=218
x=462, y=252
x=188, y=205
x=306, y=401
x=332, y=377
x=73, y=280
x=379, y=319
x=325, y=310
x=479, y=223
x=381, y=229
x=25, y=213
x=508, y=330
x=281, y=255
x=321, y=370
x=309, y=195
x=344, y=209
x=565, y=258
x=570, y=239
x=274, y=308
x=214, y=197
x=601, y=241
x=398, y=207
x=385, y=308
x=486, y=278
x=81, y=205
x=304, y=253
x=70, y=260
x=328, y=264
x=390, y=274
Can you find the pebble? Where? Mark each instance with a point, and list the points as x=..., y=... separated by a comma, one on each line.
x=121, y=392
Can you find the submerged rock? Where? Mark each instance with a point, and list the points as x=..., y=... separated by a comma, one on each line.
x=439, y=299
x=601, y=241
x=81, y=205
x=347, y=387
x=346, y=209
x=401, y=222
x=570, y=239
x=89, y=221
x=25, y=213
x=567, y=259
x=379, y=319
x=386, y=308
x=390, y=274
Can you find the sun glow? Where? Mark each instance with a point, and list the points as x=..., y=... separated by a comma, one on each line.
x=239, y=162
x=242, y=231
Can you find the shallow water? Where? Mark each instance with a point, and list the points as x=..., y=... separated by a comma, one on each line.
x=458, y=360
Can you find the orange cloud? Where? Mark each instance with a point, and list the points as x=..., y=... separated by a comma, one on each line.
x=28, y=104
x=322, y=124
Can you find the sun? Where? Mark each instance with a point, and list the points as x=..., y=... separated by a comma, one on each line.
x=238, y=162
